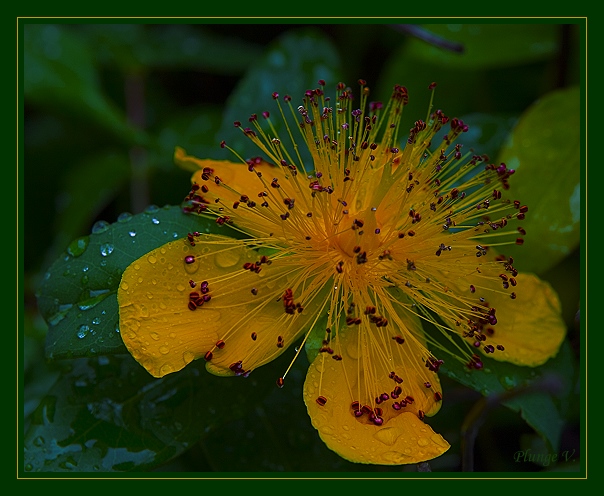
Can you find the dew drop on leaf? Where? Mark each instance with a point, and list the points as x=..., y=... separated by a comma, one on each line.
x=78, y=246
x=99, y=227
x=124, y=217
x=83, y=331
x=106, y=249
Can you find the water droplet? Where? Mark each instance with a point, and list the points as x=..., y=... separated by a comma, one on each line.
x=152, y=209
x=164, y=350
x=226, y=258
x=132, y=233
x=28, y=467
x=508, y=382
x=85, y=268
x=155, y=220
x=166, y=369
x=124, y=217
x=151, y=259
x=188, y=357
x=100, y=227
x=422, y=441
x=78, y=246
x=84, y=280
x=96, y=321
x=124, y=286
x=387, y=435
x=83, y=331
x=106, y=249
x=175, y=235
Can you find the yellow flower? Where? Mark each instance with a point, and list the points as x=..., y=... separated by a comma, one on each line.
x=362, y=244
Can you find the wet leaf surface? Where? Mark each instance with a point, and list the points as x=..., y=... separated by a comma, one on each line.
x=107, y=414
x=78, y=294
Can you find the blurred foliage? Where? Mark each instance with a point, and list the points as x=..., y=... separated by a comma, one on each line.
x=104, y=107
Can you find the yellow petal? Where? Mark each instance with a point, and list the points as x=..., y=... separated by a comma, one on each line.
x=230, y=183
x=403, y=437
x=245, y=311
x=529, y=327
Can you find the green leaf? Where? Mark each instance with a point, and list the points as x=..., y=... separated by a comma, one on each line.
x=107, y=414
x=170, y=46
x=59, y=70
x=78, y=294
x=293, y=64
x=545, y=150
x=487, y=45
x=542, y=410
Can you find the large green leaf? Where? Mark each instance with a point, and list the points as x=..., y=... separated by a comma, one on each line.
x=78, y=294
x=59, y=71
x=545, y=150
x=107, y=414
x=542, y=410
x=294, y=63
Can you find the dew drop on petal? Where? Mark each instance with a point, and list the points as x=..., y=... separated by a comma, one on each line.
x=226, y=258
x=164, y=350
x=151, y=259
x=132, y=233
x=166, y=369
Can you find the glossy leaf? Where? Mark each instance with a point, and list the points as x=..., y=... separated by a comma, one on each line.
x=293, y=64
x=107, y=414
x=59, y=70
x=78, y=294
x=498, y=378
x=545, y=150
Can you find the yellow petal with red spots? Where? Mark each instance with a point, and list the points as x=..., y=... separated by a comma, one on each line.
x=218, y=299
x=529, y=327
x=369, y=405
x=233, y=187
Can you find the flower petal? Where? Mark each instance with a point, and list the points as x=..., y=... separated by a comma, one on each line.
x=165, y=325
x=234, y=185
x=332, y=386
x=530, y=327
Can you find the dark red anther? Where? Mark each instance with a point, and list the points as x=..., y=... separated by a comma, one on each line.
x=513, y=296
x=208, y=356
x=409, y=233
x=222, y=144
x=427, y=385
x=189, y=259
x=192, y=305
x=438, y=396
x=192, y=283
x=280, y=382
x=236, y=366
x=321, y=400
x=500, y=347
x=194, y=295
x=519, y=241
x=472, y=288
x=220, y=344
x=254, y=336
x=399, y=339
x=421, y=414
x=431, y=86
x=409, y=399
x=378, y=421
x=254, y=291
x=513, y=281
x=523, y=209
